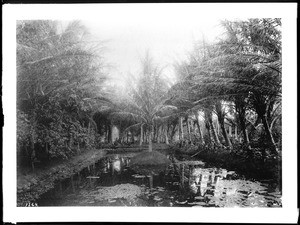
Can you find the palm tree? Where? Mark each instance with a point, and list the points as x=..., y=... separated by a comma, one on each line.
x=56, y=70
x=145, y=100
x=244, y=68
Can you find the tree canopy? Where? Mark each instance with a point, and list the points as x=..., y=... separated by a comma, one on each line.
x=63, y=103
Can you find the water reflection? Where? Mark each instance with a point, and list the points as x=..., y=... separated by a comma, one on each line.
x=222, y=188
x=110, y=182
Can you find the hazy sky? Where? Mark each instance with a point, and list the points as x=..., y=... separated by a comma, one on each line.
x=168, y=35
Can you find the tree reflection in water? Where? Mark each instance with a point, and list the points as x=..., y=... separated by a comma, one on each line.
x=222, y=188
x=177, y=186
x=116, y=164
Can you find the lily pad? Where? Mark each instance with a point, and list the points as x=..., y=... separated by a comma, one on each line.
x=127, y=191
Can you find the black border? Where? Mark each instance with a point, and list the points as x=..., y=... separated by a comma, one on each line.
x=132, y=1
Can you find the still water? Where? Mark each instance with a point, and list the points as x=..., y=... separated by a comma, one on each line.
x=111, y=182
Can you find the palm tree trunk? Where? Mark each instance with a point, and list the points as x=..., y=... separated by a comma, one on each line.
x=166, y=136
x=214, y=133
x=180, y=129
x=230, y=131
x=243, y=128
x=236, y=132
x=111, y=127
x=221, y=120
x=158, y=134
x=224, y=132
x=87, y=143
x=141, y=137
x=199, y=128
x=208, y=128
x=269, y=134
x=241, y=110
x=151, y=181
x=262, y=109
x=213, y=130
x=188, y=128
x=145, y=136
x=150, y=137
x=173, y=132
x=109, y=133
x=225, y=135
x=154, y=135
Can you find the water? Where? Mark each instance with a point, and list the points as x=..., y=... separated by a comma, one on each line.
x=111, y=182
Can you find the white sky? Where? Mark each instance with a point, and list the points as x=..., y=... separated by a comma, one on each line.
x=168, y=35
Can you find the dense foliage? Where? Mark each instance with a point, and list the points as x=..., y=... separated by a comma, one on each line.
x=227, y=98
x=58, y=73
x=235, y=84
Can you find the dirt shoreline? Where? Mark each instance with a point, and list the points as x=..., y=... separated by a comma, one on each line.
x=31, y=185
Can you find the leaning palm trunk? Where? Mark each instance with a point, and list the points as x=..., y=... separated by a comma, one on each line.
x=225, y=135
x=269, y=135
x=212, y=128
x=221, y=119
x=188, y=128
x=261, y=109
x=199, y=128
x=214, y=133
x=180, y=129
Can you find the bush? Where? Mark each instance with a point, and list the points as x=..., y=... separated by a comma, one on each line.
x=56, y=132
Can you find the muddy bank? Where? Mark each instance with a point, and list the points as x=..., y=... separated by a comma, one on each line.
x=31, y=185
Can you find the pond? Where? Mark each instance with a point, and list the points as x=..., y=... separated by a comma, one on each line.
x=111, y=182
